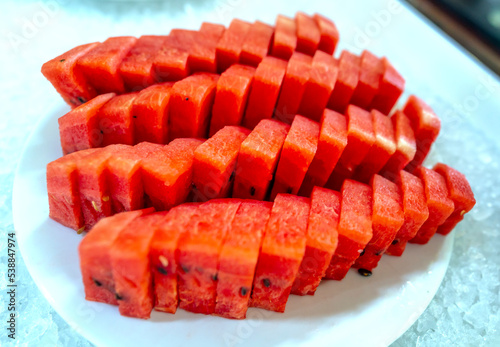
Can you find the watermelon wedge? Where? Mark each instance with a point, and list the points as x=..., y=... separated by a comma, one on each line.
x=329, y=34
x=171, y=62
x=115, y=120
x=285, y=39
x=371, y=68
x=308, y=34
x=229, y=47
x=256, y=44
x=391, y=86
x=347, y=81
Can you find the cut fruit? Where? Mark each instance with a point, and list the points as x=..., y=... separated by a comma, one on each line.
x=347, y=81
x=329, y=34
x=256, y=44
x=229, y=47
x=115, y=120
x=371, y=68
x=308, y=34
x=285, y=40
x=171, y=61
x=391, y=86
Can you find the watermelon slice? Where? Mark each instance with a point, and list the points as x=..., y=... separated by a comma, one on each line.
x=131, y=265
x=293, y=87
x=198, y=254
x=347, y=81
x=354, y=229
x=238, y=259
x=215, y=162
x=439, y=204
x=338, y=176
x=79, y=128
x=387, y=219
x=150, y=114
x=258, y=158
x=163, y=256
x=233, y=88
x=308, y=34
x=460, y=192
x=331, y=144
x=115, y=120
x=213, y=30
x=371, y=69
x=100, y=65
x=167, y=174
x=322, y=238
x=201, y=49
x=171, y=61
x=256, y=44
x=319, y=86
x=298, y=152
x=281, y=253
x=229, y=47
x=391, y=86
x=265, y=90
x=329, y=34
x=191, y=103
x=285, y=40
x=415, y=211
x=67, y=78
x=62, y=189
x=95, y=259
x=382, y=150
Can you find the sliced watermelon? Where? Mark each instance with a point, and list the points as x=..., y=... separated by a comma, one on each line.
x=198, y=254
x=215, y=162
x=329, y=34
x=322, y=239
x=371, y=68
x=439, y=204
x=238, y=259
x=391, y=86
x=298, y=152
x=258, y=158
x=191, y=103
x=347, y=81
x=265, y=90
x=285, y=39
x=171, y=61
x=79, y=128
x=100, y=65
x=67, y=78
x=233, y=88
x=230, y=44
x=338, y=176
x=201, y=49
x=355, y=227
x=281, y=253
x=415, y=211
x=213, y=30
x=387, y=219
x=256, y=44
x=460, y=192
x=115, y=120
x=308, y=34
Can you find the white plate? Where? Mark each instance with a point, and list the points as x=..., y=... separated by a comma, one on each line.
x=357, y=311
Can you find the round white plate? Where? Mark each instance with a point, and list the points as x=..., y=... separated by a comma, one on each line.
x=357, y=311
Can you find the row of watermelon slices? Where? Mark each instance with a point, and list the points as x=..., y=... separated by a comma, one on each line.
x=222, y=256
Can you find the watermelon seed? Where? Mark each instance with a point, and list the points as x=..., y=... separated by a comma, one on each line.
x=163, y=260
x=162, y=270
x=102, y=132
x=186, y=98
x=185, y=268
x=252, y=191
x=81, y=230
x=134, y=116
x=243, y=291
x=215, y=277
x=118, y=297
x=97, y=283
x=364, y=272
x=82, y=100
x=362, y=253
x=266, y=282
x=62, y=60
x=395, y=242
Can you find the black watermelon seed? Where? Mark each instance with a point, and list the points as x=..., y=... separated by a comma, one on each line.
x=243, y=291
x=185, y=268
x=395, y=242
x=162, y=270
x=252, y=191
x=97, y=283
x=266, y=282
x=186, y=98
x=102, y=132
x=378, y=253
x=134, y=116
x=362, y=253
x=289, y=190
x=118, y=297
x=62, y=60
x=364, y=272
x=215, y=277
x=82, y=100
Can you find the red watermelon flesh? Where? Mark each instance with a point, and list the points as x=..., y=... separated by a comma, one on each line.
x=214, y=31
x=297, y=154
x=387, y=219
x=67, y=78
x=62, y=189
x=460, y=192
x=171, y=61
x=150, y=114
x=100, y=65
x=426, y=126
x=405, y=145
x=198, y=254
x=258, y=158
x=163, y=256
x=79, y=128
x=415, y=211
x=381, y=151
x=136, y=68
x=308, y=34
x=125, y=179
x=215, y=162
x=230, y=44
x=201, y=49
x=265, y=90
x=331, y=144
x=233, y=88
x=322, y=239
x=347, y=81
x=439, y=204
x=238, y=259
x=282, y=250
x=319, y=86
x=329, y=34
x=293, y=87
x=191, y=103
x=285, y=39
x=354, y=229
x=115, y=120
x=167, y=174
x=391, y=86
x=131, y=265
x=371, y=68
x=256, y=44
x=95, y=259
